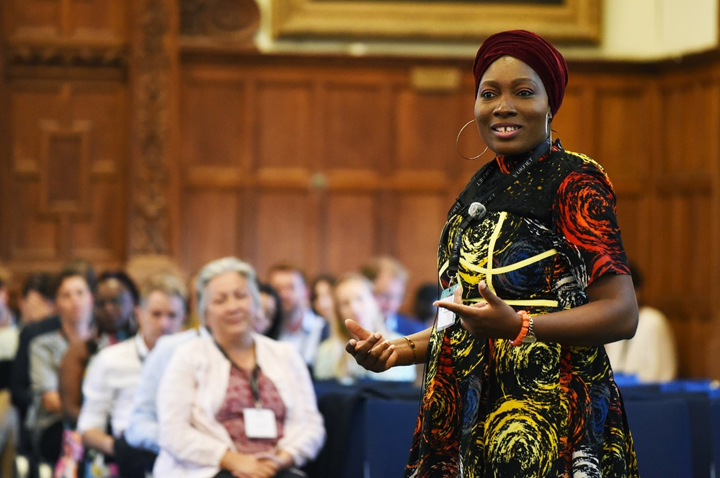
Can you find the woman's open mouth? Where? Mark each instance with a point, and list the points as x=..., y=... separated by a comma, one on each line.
x=505, y=131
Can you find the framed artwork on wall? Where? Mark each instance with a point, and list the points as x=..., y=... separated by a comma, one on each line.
x=561, y=21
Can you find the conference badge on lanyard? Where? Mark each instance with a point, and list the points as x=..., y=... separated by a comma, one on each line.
x=260, y=423
x=446, y=317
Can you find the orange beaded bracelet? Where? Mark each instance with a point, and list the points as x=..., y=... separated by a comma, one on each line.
x=523, y=329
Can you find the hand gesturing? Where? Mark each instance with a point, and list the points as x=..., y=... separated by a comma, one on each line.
x=493, y=318
x=371, y=351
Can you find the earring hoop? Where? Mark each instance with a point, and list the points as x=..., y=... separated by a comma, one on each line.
x=457, y=145
x=548, y=129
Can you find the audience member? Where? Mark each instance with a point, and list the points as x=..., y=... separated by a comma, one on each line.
x=114, y=320
x=74, y=302
x=269, y=321
x=423, y=308
x=389, y=279
x=650, y=355
x=36, y=301
x=141, y=435
x=321, y=298
x=300, y=326
x=8, y=330
x=354, y=300
x=116, y=299
x=7, y=318
x=20, y=387
x=8, y=346
x=114, y=373
x=236, y=403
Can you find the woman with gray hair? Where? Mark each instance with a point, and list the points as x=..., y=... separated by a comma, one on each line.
x=235, y=403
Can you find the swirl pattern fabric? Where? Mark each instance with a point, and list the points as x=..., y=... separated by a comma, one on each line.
x=538, y=410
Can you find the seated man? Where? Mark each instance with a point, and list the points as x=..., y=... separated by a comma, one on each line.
x=74, y=302
x=35, y=291
x=114, y=373
x=389, y=279
x=300, y=326
x=36, y=301
x=141, y=434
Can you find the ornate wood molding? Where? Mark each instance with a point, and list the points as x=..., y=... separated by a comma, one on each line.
x=154, y=63
x=59, y=53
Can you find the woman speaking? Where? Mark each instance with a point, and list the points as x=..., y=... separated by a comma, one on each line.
x=535, y=280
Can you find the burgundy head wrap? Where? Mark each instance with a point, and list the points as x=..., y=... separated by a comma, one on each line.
x=529, y=48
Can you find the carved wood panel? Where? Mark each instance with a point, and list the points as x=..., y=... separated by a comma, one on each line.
x=68, y=169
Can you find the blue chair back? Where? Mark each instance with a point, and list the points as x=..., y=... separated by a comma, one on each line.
x=715, y=421
x=661, y=432
x=389, y=427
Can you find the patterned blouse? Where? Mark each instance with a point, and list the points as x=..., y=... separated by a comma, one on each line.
x=537, y=410
x=238, y=397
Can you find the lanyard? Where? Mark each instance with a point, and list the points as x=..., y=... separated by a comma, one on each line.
x=469, y=201
x=254, y=387
x=141, y=358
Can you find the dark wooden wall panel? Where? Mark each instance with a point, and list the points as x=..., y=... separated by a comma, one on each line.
x=211, y=226
x=427, y=126
x=420, y=218
x=622, y=131
x=358, y=122
x=573, y=123
x=102, y=231
x=631, y=211
x=213, y=123
x=283, y=226
x=350, y=226
x=283, y=124
x=31, y=236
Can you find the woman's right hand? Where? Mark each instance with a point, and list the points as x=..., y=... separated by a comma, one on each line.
x=371, y=351
x=242, y=465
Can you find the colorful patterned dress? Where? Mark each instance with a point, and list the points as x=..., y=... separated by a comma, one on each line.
x=538, y=410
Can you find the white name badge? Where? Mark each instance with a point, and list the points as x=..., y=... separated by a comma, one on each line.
x=446, y=318
x=260, y=423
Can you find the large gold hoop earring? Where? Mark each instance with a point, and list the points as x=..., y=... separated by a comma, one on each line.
x=457, y=145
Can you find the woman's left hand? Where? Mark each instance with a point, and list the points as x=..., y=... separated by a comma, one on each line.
x=493, y=318
x=243, y=465
x=282, y=459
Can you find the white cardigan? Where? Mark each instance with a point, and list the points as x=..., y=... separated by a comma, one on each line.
x=193, y=389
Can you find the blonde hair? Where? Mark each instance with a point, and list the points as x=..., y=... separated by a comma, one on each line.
x=343, y=367
x=380, y=265
x=168, y=284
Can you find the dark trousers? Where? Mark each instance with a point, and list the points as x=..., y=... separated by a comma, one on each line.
x=133, y=462
x=49, y=443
